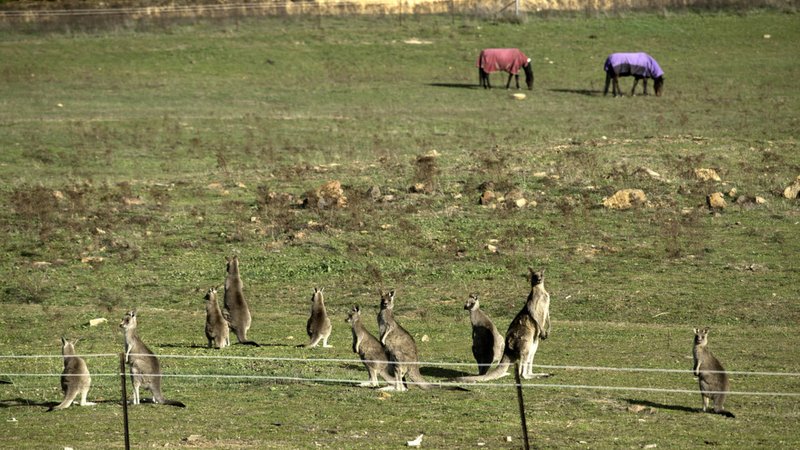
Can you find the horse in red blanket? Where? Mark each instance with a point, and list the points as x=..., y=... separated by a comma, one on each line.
x=506, y=59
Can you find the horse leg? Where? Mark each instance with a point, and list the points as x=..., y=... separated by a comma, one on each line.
x=615, y=89
x=633, y=89
x=644, y=85
x=483, y=78
x=508, y=83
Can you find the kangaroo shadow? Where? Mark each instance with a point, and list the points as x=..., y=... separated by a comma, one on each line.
x=21, y=402
x=587, y=92
x=440, y=372
x=181, y=345
x=455, y=85
x=14, y=402
x=661, y=405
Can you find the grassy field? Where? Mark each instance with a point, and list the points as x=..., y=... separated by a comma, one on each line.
x=134, y=161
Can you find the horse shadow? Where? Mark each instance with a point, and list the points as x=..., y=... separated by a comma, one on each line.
x=586, y=92
x=455, y=85
x=660, y=405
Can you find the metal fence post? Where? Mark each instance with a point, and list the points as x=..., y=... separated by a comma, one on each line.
x=526, y=444
x=124, y=400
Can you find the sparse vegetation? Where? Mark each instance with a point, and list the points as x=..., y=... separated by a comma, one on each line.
x=132, y=162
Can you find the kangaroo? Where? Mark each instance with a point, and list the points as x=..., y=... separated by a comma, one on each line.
x=217, y=331
x=714, y=382
x=318, y=325
x=487, y=342
x=524, y=333
x=371, y=352
x=75, y=378
x=235, y=309
x=400, y=347
x=145, y=370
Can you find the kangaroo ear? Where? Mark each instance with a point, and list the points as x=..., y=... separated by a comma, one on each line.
x=391, y=294
x=321, y=289
x=357, y=309
x=695, y=331
x=227, y=258
x=63, y=340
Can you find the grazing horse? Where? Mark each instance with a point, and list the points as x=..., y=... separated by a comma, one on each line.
x=640, y=66
x=506, y=59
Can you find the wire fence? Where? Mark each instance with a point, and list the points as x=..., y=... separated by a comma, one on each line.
x=56, y=14
x=451, y=383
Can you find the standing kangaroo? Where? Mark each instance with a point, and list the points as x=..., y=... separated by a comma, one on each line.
x=235, y=309
x=217, y=331
x=75, y=378
x=487, y=342
x=400, y=347
x=714, y=382
x=145, y=369
x=531, y=325
x=318, y=326
x=371, y=352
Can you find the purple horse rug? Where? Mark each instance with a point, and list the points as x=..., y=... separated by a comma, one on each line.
x=633, y=64
x=506, y=59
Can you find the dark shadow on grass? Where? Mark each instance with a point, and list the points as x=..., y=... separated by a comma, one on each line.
x=11, y=403
x=21, y=402
x=455, y=85
x=181, y=346
x=587, y=92
x=441, y=372
x=661, y=405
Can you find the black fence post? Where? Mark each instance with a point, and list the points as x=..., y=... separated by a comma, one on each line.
x=124, y=400
x=526, y=444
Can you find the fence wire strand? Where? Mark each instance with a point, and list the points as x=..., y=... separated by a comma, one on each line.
x=444, y=384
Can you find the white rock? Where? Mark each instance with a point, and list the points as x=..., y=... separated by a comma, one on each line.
x=416, y=442
x=98, y=321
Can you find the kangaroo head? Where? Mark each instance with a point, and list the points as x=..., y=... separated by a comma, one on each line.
x=387, y=300
x=211, y=295
x=129, y=321
x=317, y=295
x=472, y=302
x=701, y=336
x=354, y=315
x=232, y=266
x=67, y=346
x=536, y=277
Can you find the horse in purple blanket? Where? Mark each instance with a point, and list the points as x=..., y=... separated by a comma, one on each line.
x=640, y=66
x=506, y=59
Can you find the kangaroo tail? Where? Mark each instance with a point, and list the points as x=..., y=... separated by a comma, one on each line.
x=498, y=372
x=417, y=378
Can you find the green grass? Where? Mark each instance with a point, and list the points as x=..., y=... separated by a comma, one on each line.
x=163, y=145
